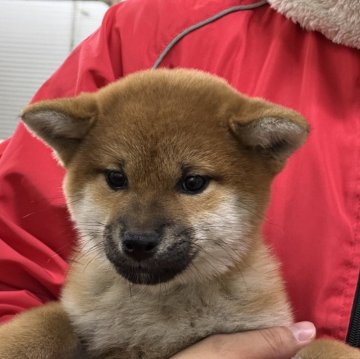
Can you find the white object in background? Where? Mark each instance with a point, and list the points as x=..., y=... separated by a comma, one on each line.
x=35, y=38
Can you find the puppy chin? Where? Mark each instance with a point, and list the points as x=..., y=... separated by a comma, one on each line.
x=160, y=268
x=146, y=276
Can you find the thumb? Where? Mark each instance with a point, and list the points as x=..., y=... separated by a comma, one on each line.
x=271, y=343
x=276, y=342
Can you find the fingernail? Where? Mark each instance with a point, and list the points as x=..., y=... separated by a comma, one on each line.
x=303, y=331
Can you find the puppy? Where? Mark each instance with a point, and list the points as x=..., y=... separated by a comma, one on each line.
x=168, y=177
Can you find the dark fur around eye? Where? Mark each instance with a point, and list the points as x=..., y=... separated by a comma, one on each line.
x=116, y=180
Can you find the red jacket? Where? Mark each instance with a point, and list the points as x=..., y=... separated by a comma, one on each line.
x=313, y=222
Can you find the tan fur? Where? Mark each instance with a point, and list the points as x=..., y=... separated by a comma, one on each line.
x=42, y=333
x=159, y=127
x=328, y=349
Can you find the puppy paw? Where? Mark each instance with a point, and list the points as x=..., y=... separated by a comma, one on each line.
x=41, y=333
x=328, y=349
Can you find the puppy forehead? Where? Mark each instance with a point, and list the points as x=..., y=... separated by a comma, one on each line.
x=171, y=145
x=165, y=117
x=164, y=138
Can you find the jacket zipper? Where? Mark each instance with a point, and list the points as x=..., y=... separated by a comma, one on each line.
x=353, y=335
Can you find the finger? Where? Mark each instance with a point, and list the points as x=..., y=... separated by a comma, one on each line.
x=272, y=343
x=277, y=342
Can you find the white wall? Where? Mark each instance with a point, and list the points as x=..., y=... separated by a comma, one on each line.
x=35, y=37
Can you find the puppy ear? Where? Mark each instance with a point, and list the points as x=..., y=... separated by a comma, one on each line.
x=62, y=123
x=272, y=131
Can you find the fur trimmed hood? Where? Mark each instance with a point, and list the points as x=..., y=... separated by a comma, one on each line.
x=338, y=20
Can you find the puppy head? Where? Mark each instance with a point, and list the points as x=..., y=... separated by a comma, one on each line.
x=168, y=171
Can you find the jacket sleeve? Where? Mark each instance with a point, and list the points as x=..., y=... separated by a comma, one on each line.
x=36, y=234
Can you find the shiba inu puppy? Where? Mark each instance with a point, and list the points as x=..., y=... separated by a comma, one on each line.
x=168, y=177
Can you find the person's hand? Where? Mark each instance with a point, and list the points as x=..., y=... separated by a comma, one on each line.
x=272, y=343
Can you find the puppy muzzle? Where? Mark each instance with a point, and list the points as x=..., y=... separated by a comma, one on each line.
x=142, y=257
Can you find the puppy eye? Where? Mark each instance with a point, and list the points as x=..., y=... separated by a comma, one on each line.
x=194, y=184
x=116, y=180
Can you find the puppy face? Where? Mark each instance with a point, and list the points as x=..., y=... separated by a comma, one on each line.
x=168, y=171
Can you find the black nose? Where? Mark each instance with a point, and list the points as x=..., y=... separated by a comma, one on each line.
x=140, y=245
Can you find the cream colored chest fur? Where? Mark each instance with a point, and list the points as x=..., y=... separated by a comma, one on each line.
x=136, y=322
